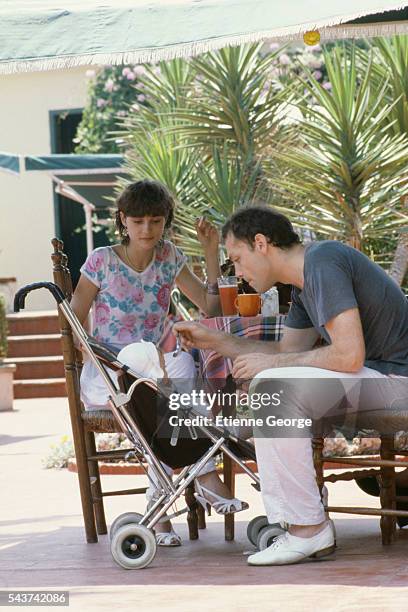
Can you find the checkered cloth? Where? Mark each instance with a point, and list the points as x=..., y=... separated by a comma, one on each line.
x=215, y=368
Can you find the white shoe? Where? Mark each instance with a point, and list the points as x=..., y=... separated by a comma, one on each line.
x=287, y=548
x=221, y=505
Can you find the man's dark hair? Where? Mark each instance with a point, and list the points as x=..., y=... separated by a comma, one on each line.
x=251, y=220
x=146, y=198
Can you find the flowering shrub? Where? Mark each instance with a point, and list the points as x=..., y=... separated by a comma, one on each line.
x=111, y=92
x=59, y=454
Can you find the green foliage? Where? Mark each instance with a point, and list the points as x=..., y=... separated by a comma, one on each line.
x=110, y=92
x=346, y=172
x=320, y=135
x=3, y=329
x=391, y=66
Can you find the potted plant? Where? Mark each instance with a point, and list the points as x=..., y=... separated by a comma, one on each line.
x=6, y=369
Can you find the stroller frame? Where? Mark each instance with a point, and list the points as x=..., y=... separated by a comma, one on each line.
x=133, y=544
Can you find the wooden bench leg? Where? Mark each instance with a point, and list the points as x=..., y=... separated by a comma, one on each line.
x=387, y=490
x=86, y=493
x=317, y=445
x=192, y=515
x=96, y=487
x=229, y=479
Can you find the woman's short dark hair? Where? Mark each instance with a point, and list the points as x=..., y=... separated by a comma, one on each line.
x=141, y=199
x=248, y=221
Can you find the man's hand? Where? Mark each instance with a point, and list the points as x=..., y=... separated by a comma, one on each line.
x=247, y=366
x=195, y=335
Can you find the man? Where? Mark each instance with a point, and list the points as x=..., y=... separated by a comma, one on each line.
x=339, y=294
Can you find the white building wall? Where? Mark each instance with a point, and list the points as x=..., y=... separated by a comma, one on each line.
x=26, y=203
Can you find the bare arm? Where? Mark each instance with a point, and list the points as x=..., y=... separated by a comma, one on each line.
x=196, y=291
x=190, y=284
x=199, y=336
x=82, y=300
x=346, y=353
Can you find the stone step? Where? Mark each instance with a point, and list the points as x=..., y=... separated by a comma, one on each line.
x=37, y=367
x=46, y=387
x=33, y=323
x=34, y=346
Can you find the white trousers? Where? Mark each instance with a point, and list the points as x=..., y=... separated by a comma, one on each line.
x=288, y=479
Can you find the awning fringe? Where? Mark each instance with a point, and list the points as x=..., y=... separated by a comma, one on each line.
x=330, y=29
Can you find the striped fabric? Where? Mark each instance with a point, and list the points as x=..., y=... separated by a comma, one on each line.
x=215, y=368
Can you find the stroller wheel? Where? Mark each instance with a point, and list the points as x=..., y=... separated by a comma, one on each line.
x=133, y=546
x=126, y=518
x=254, y=527
x=268, y=534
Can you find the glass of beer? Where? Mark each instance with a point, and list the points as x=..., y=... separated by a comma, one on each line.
x=228, y=287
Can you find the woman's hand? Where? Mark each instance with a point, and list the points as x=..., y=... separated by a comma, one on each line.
x=207, y=235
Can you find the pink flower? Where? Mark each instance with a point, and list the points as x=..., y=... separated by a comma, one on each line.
x=129, y=321
x=121, y=287
x=274, y=46
x=141, y=97
x=126, y=71
x=100, y=103
x=317, y=75
x=125, y=336
x=130, y=76
x=109, y=85
x=139, y=70
x=284, y=59
x=163, y=297
x=102, y=314
x=327, y=85
x=137, y=295
x=151, y=321
x=95, y=262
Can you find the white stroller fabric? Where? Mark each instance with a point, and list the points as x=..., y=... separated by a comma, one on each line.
x=143, y=358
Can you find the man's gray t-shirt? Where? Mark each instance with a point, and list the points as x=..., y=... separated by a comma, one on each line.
x=337, y=278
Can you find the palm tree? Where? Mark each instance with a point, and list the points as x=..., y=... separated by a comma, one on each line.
x=346, y=172
x=203, y=131
x=392, y=66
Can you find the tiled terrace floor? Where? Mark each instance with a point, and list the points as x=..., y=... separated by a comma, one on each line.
x=42, y=543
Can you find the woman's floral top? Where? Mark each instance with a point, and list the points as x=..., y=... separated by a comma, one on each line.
x=131, y=306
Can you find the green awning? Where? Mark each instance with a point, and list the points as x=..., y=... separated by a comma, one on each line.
x=88, y=180
x=10, y=163
x=59, y=163
x=50, y=34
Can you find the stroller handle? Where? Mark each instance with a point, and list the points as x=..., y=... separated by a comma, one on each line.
x=19, y=298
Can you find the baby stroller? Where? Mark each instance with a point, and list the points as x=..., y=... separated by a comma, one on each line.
x=141, y=409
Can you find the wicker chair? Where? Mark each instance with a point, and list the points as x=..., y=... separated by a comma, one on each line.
x=86, y=423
